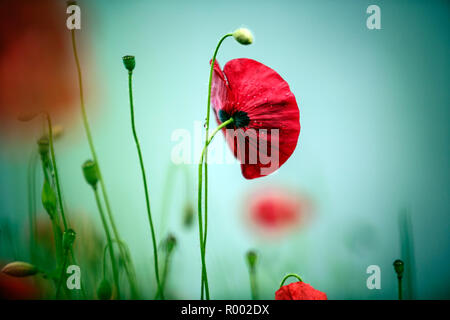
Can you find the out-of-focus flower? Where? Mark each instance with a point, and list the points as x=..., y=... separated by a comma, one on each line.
x=12, y=288
x=265, y=113
x=36, y=63
x=299, y=291
x=20, y=269
x=273, y=210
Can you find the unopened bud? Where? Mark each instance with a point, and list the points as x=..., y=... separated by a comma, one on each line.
x=20, y=269
x=90, y=173
x=243, y=36
x=171, y=242
x=129, y=62
x=252, y=258
x=188, y=215
x=104, y=290
x=68, y=239
x=399, y=267
x=48, y=197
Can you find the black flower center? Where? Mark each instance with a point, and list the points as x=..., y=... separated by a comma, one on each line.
x=240, y=118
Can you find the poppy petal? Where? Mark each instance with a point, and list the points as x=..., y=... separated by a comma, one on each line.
x=266, y=99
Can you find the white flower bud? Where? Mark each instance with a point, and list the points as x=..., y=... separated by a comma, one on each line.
x=243, y=36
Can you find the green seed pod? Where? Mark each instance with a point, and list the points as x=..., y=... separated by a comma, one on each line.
x=20, y=269
x=104, y=290
x=252, y=258
x=48, y=199
x=129, y=62
x=43, y=147
x=68, y=239
x=243, y=36
x=90, y=172
x=399, y=267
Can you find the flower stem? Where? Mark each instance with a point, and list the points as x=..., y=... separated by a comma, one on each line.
x=253, y=283
x=94, y=156
x=213, y=60
x=200, y=223
x=31, y=180
x=144, y=179
x=61, y=276
x=55, y=170
x=109, y=240
x=400, y=291
x=290, y=275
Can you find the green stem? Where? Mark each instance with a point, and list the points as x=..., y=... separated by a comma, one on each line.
x=144, y=179
x=200, y=223
x=58, y=240
x=94, y=156
x=55, y=170
x=213, y=60
x=165, y=270
x=31, y=180
x=400, y=291
x=290, y=275
x=253, y=284
x=61, y=277
x=108, y=239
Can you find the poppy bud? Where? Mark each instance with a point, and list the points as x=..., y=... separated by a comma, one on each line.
x=43, y=146
x=68, y=239
x=20, y=269
x=104, y=290
x=129, y=62
x=48, y=198
x=188, y=216
x=399, y=267
x=243, y=36
x=170, y=243
x=90, y=173
x=252, y=258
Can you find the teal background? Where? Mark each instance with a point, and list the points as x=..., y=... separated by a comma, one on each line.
x=374, y=111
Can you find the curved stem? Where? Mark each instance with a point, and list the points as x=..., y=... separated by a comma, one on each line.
x=213, y=60
x=55, y=169
x=290, y=275
x=108, y=238
x=200, y=224
x=94, y=156
x=144, y=179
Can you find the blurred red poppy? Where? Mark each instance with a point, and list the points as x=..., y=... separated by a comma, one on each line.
x=12, y=288
x=36, y=66
x=265, y=112
x=277, y=210
x=299, y=291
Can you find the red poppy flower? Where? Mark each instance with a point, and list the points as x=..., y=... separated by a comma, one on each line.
x=266, y=117
x=299, y=291
x=276, y=210
x=36, y=63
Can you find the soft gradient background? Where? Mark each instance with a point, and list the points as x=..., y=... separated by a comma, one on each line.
x=374, y=109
